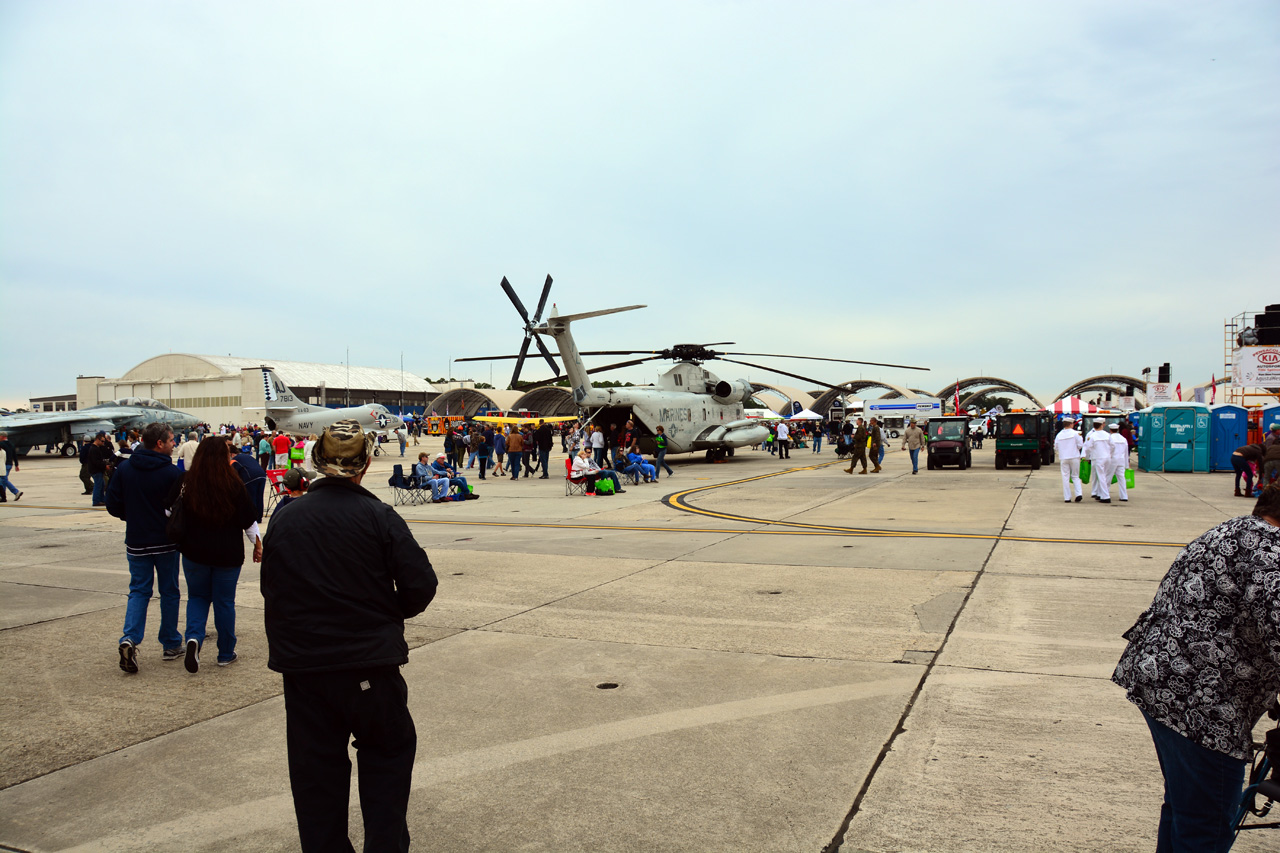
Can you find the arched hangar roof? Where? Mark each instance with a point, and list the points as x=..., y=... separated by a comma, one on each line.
x=791, y=395
x=987, y=383
x=823, y=403
x=549, y=400
x=469, y=401
x=1104, y=382
x=302, y=374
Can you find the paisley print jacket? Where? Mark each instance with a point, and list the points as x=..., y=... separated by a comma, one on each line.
x=1204, y=658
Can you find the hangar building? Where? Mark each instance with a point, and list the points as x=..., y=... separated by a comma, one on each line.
x=226, y=389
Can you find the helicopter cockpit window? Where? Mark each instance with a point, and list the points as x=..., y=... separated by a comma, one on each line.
x=947, y=430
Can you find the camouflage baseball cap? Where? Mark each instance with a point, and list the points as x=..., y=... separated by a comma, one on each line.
x=342, y=450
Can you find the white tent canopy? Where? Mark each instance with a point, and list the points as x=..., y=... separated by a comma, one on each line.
x=805, y=415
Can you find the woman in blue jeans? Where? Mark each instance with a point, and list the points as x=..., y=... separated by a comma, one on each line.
x=218, y=515
x=1203, y=663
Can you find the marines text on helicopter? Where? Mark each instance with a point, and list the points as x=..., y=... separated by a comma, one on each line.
x=697, y=410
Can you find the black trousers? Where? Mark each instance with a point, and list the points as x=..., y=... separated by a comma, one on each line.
x=322, y=712
x=784, y=448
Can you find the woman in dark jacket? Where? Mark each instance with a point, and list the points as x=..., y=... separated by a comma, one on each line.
x=216, y=511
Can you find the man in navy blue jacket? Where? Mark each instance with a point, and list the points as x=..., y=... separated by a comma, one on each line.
x=137, y=496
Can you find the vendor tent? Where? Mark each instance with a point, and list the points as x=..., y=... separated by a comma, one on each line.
x=1072, y=406
x=805, y=415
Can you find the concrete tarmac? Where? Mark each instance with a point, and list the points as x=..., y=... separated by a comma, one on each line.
x=760, y=655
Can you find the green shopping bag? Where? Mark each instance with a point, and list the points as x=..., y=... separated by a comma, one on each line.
x=1128, y=478
x=1086, y=470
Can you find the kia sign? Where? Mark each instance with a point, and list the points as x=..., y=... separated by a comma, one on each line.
x=1256, y=367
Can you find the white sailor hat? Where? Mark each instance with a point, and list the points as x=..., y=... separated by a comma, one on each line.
x=1114, y=426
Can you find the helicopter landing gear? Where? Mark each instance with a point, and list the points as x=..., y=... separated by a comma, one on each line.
x=719, y=454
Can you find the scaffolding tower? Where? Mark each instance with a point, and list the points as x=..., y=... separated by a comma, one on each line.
x=1237, y=394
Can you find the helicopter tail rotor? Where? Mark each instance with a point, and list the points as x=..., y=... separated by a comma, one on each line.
x=530, y=324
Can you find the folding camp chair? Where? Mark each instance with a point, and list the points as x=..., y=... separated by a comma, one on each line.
x=275, y=489
x=404, y=489
x=573, y=485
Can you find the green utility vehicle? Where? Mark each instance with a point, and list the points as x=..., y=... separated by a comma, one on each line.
x=948, y=443
x=1024, y=438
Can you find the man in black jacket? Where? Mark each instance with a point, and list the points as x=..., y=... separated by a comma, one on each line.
x=340, y=574
x=137, y=496
x=544, y=439
x=98, y=455
x=86, y=445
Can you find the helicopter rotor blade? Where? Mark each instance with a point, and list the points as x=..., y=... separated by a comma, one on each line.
x=542, y=348
x=524, y=348
x=785, y=373
x=542, y=303
x=592, y=352
x=722, y=344
x=515, y=300
x=487, y=358
x=822, y=358
x=620, y=364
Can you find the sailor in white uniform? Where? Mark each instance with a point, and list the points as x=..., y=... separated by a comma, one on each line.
x=1069, y=444
x=1119, y=459
x=1097, y=449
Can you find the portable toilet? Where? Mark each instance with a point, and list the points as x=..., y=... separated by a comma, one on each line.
x=1270, y=415
x=1229, y=424
x=1175, y=437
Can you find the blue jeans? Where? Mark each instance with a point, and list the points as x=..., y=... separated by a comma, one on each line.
x=1201, y=793
x=544, y=460
x=7, y=485
x=513, y=463
x=660, y=461
x=817, y=442
x=214, y=585
x=915, y=459
x=99, y=489
x=880, y=455
x=143, y=572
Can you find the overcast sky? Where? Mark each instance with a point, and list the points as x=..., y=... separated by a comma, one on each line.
x=1037, y=191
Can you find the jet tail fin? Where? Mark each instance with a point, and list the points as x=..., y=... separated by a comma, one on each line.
x=279, y=397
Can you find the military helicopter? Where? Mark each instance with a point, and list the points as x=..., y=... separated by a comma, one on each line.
x=697, y=410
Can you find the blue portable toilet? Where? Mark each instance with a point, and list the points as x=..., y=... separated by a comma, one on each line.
x=1175, y=437
x=1229, y=424
x=1270, y=415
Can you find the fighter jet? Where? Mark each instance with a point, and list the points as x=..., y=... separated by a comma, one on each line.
x=35, y=429
x=285, y=412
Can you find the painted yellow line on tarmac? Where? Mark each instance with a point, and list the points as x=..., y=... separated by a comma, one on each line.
x=678, y=500
x=806, y=530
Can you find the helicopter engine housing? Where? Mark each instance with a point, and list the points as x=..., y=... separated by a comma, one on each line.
x=737, y=391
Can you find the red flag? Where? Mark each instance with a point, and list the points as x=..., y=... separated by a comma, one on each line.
x=1213, y=388
x=957, y=396
x=1178, y=390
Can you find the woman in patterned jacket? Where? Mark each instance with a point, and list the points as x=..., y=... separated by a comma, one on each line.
x=1203, y=664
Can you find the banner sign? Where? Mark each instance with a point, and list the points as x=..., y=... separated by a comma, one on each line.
x=1159, y=392
x=1255, y=367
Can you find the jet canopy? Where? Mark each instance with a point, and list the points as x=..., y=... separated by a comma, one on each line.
x=146, y=402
